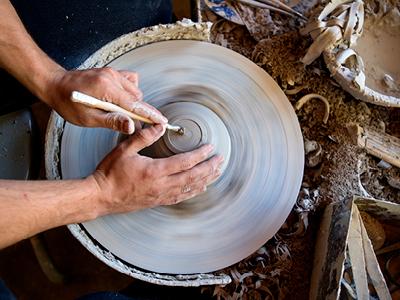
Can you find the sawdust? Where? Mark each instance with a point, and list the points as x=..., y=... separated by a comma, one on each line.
x=344, y=170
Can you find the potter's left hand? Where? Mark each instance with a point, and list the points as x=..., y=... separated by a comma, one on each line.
x=118, y=87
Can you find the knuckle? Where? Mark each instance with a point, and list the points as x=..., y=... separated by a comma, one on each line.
x=111, y=121
x=138, y=94
x=115, y=121
x=108, y=71
x=101, y=80
x=154, y=192
x=136, y=106
x=203, y=154
x=212, y=168
x=191, y=177
x=185, y=163
x=149, y=173
x=135, y=77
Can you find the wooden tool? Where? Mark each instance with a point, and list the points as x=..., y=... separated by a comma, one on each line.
x=90, y=101
x=274, y=5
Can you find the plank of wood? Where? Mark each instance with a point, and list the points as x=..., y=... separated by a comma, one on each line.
x=373, y=269
x=376, y=143
x=356, y=254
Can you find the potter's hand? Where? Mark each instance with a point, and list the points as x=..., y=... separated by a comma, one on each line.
x=128, y=181
x=118, y=87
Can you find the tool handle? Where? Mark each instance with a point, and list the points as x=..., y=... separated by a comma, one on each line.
x=90, y=101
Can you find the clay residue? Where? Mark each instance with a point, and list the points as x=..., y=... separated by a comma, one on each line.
x=344, y=171
x=379, y=46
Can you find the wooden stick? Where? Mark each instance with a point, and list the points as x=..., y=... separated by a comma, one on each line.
x=90, y=101
x=379, y=144
x=273, y=7
x=279, y=4
x=373, y=269
x=357, y=256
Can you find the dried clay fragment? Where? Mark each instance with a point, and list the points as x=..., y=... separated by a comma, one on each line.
x=308, y=97
x=357, y=68
x=295, y=90
x=326, y=40
x=330, y=7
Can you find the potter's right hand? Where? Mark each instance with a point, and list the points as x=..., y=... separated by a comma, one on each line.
x=127, y=181
x=107, y=84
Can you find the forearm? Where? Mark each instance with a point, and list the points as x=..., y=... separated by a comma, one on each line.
x=29, y=207
x=20, y=55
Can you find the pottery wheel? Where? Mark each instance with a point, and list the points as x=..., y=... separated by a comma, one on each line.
x=222, y=98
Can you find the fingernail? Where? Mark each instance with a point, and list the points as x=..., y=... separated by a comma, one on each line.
x=128, y=127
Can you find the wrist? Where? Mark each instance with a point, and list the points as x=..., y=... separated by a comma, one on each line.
x=48, y=85
x=100, y=195
x=87, y=207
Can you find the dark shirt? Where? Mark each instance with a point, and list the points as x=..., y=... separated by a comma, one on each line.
x=70, y=30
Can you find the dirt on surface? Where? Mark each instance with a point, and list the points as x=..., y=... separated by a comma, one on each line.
x=335, y=168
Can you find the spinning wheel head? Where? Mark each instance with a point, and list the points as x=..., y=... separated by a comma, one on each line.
x=221, y=98
x=201, y=126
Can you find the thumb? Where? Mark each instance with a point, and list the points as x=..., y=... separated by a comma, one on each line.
x=145, y=137
x=119, y=122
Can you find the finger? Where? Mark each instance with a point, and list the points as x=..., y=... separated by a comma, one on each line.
x=182, y=162
x=187, y=192
x=131, y=88
x=133, y=77
x=93, y=117
x=144, y=138
x=182, y=197
x=188, y=188
x=145, y=110
x=118, y=122
x=141, y=108
x=198, y=173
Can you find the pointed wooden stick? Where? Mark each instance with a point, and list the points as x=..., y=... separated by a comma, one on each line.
x=90, y=101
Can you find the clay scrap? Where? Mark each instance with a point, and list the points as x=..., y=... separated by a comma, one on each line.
x=363, y=71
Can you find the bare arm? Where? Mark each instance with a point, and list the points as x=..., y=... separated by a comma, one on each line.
x=51, y=83
x=124, y=181
x=27, y=208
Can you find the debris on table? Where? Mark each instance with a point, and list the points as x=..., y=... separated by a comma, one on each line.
x=376, y=143
x=336, y=168
x=345, y=251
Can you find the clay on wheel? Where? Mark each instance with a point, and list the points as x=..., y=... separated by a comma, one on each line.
x=221, y=98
